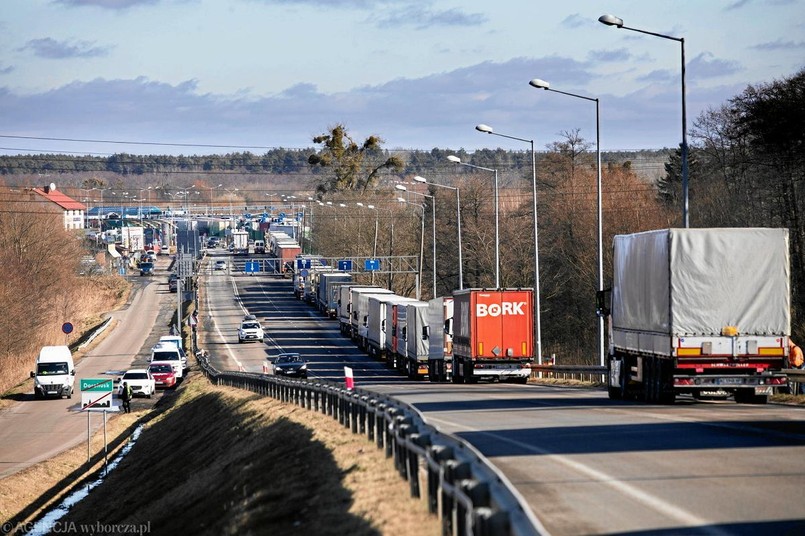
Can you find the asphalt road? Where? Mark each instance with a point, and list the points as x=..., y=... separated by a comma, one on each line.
x=585, y=464
x=34, y=430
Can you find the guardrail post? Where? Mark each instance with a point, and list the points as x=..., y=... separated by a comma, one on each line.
x=380, y=417
x=355, y=408
x=404, y=427
x=437, y=456
x=453, y=472
x=371, y=411
x=422, y=441
x=362, y=414
x=485, y=522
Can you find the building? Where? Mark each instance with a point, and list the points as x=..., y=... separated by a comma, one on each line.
x=56, y=201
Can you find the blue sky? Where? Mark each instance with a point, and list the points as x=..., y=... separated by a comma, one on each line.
x=420, y=74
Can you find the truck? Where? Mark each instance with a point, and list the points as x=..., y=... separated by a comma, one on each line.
x=359, y=314
x=395, y=339
x=240, y=243
x=378, y=326
x=55, y=372
x=416, y=333
x=493, y=335
x=259, y=247
x=440, y=353
x=705, y=312
x=345, y=306
x=326, y=295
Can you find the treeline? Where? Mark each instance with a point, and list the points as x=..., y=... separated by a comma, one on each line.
x=275, y=161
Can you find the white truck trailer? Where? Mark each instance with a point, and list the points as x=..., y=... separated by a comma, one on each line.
x=378, y=326
x=699, y=311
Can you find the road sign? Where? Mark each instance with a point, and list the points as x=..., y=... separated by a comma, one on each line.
x=345, y=266
x=67, y=327
x=303, y=263
x=96, y=394
x=371, y=265
x=252, y=267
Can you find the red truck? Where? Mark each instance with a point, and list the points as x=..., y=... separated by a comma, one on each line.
x=493, y=333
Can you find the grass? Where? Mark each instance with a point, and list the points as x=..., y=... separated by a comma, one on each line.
x=220, y=460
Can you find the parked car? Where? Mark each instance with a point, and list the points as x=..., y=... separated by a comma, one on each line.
x=173, y=282
x=251, y=318
x=220, y=265
x=250, y=330
x=152, y=257
x=290, y=364
x=168, y=352
x=163, y=374
x=176, y=341
x=146, y=268
x=140, y=381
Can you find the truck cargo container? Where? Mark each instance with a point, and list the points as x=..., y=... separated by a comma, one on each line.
x=326, y=295
x=699, y=311
x=440, y=353
x=395, y=338
x=417, y=334
x=345, y=306
x=378, y=328
x=240, y=243
x=493, y=334
x=359, y=314
x=312, y=283
x=303, y=263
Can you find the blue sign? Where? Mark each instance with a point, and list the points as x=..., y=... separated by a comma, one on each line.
x=252, y=267
x=345, y=266
x=300, y=215
x=371, y=265
x=282, y=215
x=304, y=273
x=303, y=263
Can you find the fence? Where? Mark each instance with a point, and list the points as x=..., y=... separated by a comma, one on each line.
x=469, y=495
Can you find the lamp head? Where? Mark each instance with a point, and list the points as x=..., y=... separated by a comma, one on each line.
x=611, y=20
x=420, y=179
x=359, y=204
x=401, y=200
x=454, y=158
x=400, y=187
x=484, y=128
x=539, y=84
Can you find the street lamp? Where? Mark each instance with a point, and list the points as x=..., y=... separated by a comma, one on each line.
x=457, y=160
x=542, y=84
x=231, y=212
x=423, y=180
x=537, y=323
x=421, y=242
x=433, y=222
x=611, y=20
x=374, y=247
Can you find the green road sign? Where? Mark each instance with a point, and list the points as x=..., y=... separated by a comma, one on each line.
x=97, y=385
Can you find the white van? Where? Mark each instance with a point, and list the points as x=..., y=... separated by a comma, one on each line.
x=175, y=340
x=55, y=372
x=168, y=352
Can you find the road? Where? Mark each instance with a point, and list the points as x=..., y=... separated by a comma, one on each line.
x=585, y=464
x=35, y=430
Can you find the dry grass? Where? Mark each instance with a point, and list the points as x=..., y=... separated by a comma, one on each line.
x=222, y=460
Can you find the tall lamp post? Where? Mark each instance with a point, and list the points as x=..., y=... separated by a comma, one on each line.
x=457, y=160
x=611, y=20
x=374, y=246
x=537, y=324
x=542, y=84
x=433, y=222
x=423, y=180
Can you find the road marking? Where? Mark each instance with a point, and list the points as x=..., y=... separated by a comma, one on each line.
x=218, y=330
x=682, y=516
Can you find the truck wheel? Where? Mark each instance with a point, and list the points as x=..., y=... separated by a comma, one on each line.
x=667, y=395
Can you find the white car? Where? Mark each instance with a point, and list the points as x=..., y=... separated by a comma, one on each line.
x=140, y=381
x=168, y=352
x=250, y=330
x=220, y=265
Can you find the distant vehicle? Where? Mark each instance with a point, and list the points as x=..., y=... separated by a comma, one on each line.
x=249, y=317
x=151, y=256
x=250, y=330
x=290, y=364
x=220, y=265
x=240, y=243
x=163, y=374
x=176, y=341
x=173, y=282
x=146, y=268
x=140, y=381
x=55, y=372
x=259, y=246
x=168, y=352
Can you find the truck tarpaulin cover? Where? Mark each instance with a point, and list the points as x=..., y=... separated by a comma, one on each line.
x=696, y=281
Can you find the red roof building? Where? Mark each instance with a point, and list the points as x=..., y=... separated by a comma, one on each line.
x=72, y=210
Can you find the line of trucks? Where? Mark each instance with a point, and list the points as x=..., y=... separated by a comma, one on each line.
x=705, y=312
x=471, y=335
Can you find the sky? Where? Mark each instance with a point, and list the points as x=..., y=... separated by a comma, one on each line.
x=215, y=76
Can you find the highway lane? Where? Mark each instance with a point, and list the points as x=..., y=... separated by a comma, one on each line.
x=34, y=430
x=585, y=464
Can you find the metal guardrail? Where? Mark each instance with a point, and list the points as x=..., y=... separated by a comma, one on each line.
x=589, y=373
x=468, y=494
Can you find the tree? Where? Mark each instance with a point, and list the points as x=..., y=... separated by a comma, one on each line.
x=354, y=167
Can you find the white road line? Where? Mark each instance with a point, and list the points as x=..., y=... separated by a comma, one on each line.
x=682, y=516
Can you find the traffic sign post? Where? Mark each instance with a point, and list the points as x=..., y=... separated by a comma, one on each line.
x=252, y=267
